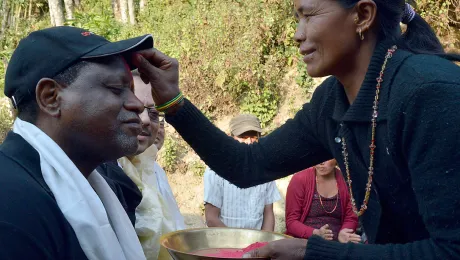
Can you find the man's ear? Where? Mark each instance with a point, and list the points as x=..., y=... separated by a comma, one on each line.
x=47, y=95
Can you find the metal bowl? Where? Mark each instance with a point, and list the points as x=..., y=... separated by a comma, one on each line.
x=182, y=244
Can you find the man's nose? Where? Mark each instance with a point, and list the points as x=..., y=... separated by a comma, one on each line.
x=145, y=119
x=132, y=103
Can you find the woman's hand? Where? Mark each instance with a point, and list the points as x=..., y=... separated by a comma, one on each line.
x=161, y=71
x=346, y=235
x=324, y=232
x=284, y=249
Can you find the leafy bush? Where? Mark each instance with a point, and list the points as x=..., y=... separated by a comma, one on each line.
x=444, y=17
x=6, y=117
x=198, y=168
x=169, y=154
x=303, y=79
x=263, y=104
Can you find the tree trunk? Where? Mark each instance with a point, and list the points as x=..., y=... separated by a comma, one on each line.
x=5, y=13
x=132, y=15
x=12, y=18
x=124, y=11
x=77, y=3
x=29, y=11
x=56, y=12
x=51, y=11
x=17, y=17
x=142, y=5
x=116, y=9
x=68, y=9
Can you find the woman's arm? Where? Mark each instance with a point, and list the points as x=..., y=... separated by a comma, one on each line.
x=295, y=197
x=290, y=148
x=350, y=220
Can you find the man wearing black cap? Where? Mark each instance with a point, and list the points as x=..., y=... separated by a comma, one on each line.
x=73, y=91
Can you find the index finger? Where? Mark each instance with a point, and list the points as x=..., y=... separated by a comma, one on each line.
x=155, y=57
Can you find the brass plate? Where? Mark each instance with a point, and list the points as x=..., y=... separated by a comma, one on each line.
x=181, y=244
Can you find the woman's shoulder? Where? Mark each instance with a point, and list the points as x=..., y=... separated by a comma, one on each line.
x=421, y=73
x=307, y=173
x=424, y=69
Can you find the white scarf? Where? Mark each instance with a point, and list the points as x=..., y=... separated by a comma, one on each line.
x=153, y=217
x=103, y=229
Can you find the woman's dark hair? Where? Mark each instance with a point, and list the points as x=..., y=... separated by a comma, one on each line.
x=419, y=37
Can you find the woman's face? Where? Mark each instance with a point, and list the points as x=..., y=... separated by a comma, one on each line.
x=327, y=36
x=326, y=167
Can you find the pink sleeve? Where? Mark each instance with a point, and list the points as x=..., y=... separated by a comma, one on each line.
x=294, y=202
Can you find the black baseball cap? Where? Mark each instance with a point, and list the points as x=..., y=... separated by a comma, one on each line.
x=48, y=52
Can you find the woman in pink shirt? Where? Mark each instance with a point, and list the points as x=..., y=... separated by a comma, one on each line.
x=318, y=203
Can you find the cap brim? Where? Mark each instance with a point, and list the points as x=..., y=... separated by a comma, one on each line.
x=125, y=48
x=244, y=129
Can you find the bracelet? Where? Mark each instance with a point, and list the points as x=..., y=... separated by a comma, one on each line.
x=171, y=103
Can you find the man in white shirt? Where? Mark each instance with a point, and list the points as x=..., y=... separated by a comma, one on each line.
x=229, y=206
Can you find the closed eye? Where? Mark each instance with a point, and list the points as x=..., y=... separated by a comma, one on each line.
x=116, y=91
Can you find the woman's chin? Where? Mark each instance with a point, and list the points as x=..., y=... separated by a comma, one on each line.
x=315, y=71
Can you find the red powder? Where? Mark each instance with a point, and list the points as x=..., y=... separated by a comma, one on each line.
x=236, y=253
x=254, y=246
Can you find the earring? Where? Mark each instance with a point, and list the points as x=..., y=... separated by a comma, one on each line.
x=361, y=35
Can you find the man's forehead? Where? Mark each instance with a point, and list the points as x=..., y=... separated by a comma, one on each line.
x=112, y=68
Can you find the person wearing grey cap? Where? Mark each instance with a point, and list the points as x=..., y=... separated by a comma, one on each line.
x=226, y=205
x=73, y=91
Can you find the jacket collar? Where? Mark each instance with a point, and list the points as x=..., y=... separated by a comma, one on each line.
x=21, y=152
x=361, y=110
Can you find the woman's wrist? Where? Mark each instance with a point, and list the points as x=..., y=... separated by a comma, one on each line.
x=316, y=232
x=173, y=110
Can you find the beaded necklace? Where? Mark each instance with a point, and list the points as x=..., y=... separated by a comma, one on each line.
x=321, y=201
x=372, y=146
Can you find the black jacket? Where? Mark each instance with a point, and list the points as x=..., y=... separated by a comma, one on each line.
x=32, y=225
x=414, y=201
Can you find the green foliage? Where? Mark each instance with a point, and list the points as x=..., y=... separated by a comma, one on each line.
x=227, y=50
x=303, y=79
x=263, y=104
x=444, y=17
x=101, y=24
x=197, y=168
x=169, y=154
x=6, y=117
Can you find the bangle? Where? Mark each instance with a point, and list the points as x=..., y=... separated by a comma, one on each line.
x=171, y=103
